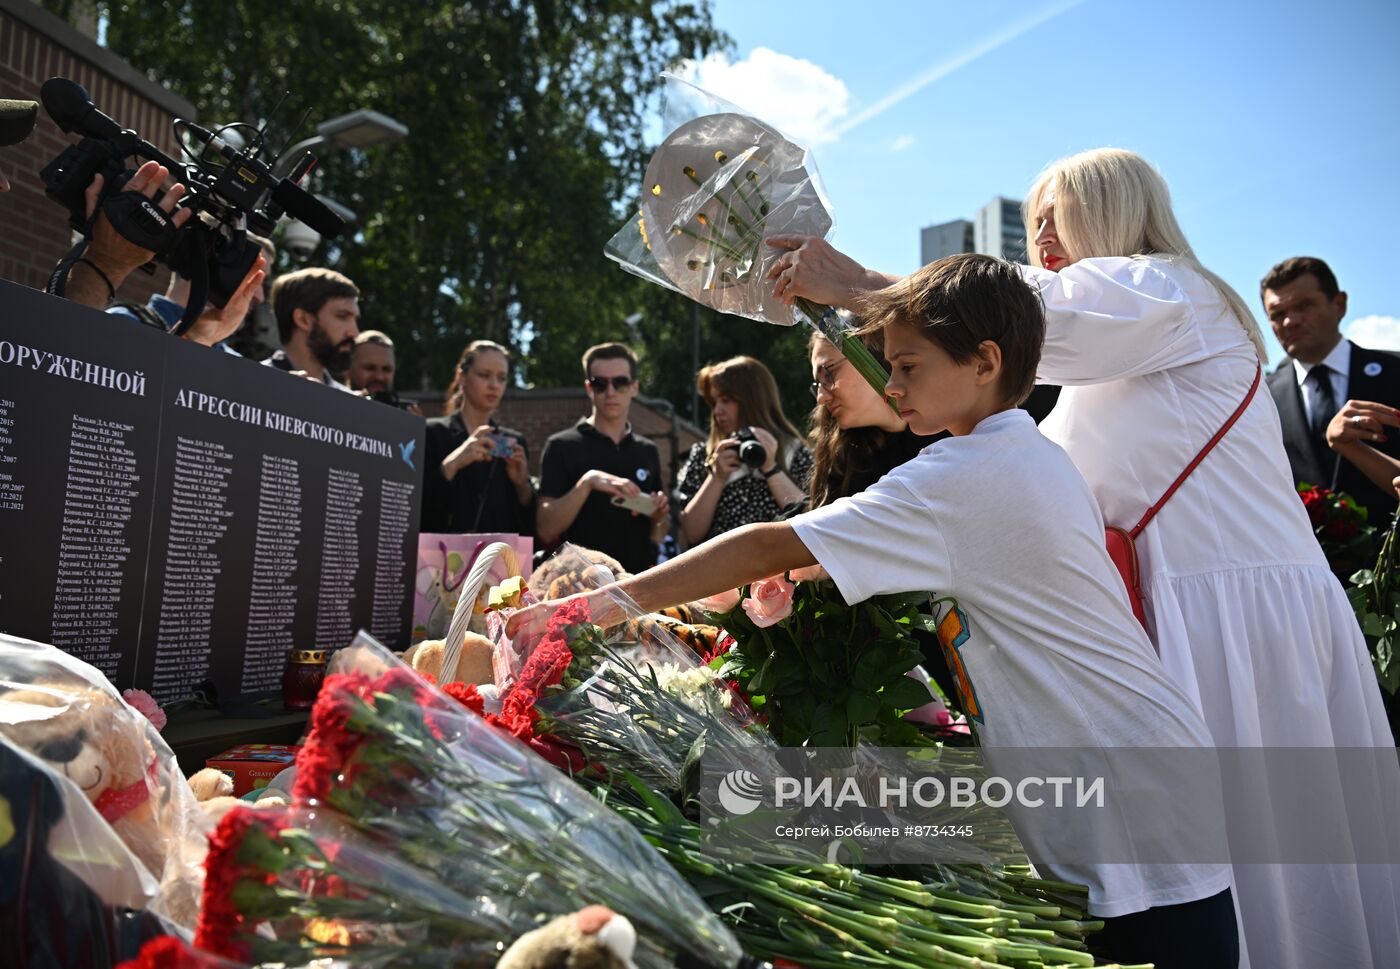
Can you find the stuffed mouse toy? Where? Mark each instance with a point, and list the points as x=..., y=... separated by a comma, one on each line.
x=591, y=938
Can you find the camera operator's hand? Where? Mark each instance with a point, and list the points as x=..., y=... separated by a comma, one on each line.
x=113, y=255
x=216, y=324
x=413, y=409
x=725, y=460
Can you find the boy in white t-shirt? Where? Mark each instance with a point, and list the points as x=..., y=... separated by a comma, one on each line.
x=1043, y=645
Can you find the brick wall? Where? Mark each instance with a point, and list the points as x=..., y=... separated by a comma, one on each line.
x=35, y=46
x=539, y=413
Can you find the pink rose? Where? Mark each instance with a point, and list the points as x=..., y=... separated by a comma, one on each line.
x=720, y=601
x=769, y=601
x=146, y=705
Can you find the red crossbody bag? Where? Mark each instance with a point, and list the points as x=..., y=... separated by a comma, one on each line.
x=1122, y=547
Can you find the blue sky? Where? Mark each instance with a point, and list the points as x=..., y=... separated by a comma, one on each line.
x=1276, y=124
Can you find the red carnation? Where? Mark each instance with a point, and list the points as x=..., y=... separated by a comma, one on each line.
x=468, y=696
x=397, y=679
x=170, y=952
x=546, y=664
x=219, y=920
x=570, y=613
x=329, y=745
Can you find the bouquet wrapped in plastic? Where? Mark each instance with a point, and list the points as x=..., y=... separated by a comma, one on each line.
x=458, y=799
x=718, y=185
x=292, y=885
x=104, y=752
x=630, y=698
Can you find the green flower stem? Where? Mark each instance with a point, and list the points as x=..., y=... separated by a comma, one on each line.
x=824, y=319
x=714, y=243
x=912, y=893
x=964, y=904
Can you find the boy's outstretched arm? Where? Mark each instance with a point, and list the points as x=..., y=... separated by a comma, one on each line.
x=744, y=555
x=726, y=562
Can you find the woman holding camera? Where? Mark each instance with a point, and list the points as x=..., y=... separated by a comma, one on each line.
x=476, y=473
x=755, y=462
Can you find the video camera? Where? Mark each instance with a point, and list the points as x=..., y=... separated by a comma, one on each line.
x=228, y=193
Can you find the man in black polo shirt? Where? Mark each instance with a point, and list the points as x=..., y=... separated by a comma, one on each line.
x=583, y=468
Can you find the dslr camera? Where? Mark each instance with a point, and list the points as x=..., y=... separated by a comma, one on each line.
x=229, y=191
x=751, y=452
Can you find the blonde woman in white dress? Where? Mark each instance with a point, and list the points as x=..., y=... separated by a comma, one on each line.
x=1155, y=353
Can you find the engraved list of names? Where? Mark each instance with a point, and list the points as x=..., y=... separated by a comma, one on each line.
x=340, y=559
x=272, y=606
x=198, y=523
x=95, y=540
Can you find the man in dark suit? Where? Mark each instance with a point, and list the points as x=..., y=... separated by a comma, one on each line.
x=1324, y=371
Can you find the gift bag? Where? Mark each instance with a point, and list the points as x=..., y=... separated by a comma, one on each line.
x=443, y=564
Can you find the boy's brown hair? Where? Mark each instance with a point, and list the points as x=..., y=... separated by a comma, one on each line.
x=959, y=301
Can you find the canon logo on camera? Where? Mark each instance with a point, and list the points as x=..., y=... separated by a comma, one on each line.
x=154, y=212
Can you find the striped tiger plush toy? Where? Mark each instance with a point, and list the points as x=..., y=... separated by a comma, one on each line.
x=572, y=570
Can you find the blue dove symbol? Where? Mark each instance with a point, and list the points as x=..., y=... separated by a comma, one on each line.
x=406, y=450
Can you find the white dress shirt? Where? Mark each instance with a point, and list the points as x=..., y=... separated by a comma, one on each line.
x=1339, y=360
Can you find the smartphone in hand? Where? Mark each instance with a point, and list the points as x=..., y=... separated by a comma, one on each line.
x=641, y=504
x=502, y=445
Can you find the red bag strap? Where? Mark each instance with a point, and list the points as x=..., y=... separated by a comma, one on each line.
x=1151, y=512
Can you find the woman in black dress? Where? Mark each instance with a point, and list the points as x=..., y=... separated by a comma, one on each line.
x=719, y=491
x=476, y=473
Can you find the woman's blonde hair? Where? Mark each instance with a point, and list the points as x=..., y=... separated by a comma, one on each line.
x=1111, y=202
x=750, y=384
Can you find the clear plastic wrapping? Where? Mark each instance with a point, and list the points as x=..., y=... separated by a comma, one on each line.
x=720, y=183
x=72, y=896
x=460, y=799
x=107, y=755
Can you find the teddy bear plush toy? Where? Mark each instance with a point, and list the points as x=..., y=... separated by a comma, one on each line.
x=591, y=938
x=473, y=664
x=92, y=739
x=49, y=917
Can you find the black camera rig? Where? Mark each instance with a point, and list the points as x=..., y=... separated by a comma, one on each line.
x=228, y=191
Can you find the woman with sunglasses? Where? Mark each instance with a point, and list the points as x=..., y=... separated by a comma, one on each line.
x=476, y=473
x=724, y=483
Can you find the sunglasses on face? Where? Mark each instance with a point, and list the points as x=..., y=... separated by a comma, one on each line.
x=600, y=384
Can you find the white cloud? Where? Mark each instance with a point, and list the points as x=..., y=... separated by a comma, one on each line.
x=901, y=143
x=796, y=96
x=1375, y=332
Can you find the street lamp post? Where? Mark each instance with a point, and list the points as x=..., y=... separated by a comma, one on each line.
x=358, y=129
